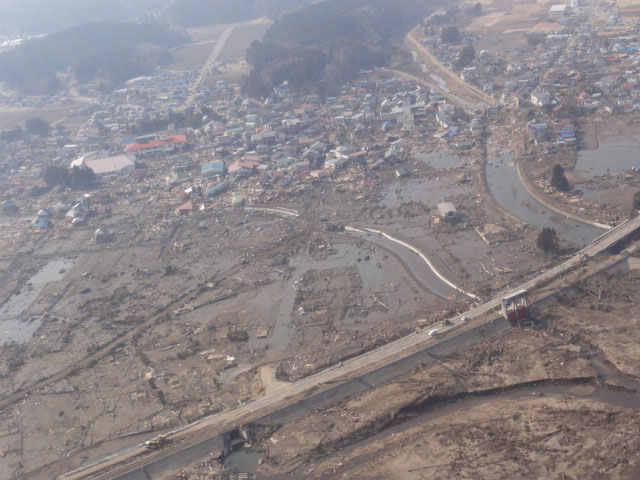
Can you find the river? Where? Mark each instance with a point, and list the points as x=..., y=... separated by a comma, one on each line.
x=507, y=189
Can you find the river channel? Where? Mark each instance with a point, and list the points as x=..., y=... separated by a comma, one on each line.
x=507, y=189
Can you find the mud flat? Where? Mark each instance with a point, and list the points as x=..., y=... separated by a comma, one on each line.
x=14, y=328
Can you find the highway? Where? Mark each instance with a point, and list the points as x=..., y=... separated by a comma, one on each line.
x=132, y=460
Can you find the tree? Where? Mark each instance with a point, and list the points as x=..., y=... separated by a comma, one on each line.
x=54, y=175
x=535, y=38
x=82, y=177
x=253, y=86
x=635, y=204
x=37, y=126
x=450, y=34
x=548, y=240
x=466, y=56
x=559, y=180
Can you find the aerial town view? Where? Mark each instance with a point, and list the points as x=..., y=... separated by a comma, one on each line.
x=296, y=239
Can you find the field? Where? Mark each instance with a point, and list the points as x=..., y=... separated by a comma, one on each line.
x=12, y=116
x=194, y=55
x=241, y=39
x=204, y=39
x=503, y=24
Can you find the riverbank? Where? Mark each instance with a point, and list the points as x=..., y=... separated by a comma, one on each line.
x=550, y=204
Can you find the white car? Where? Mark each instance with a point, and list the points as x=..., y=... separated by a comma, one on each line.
x=434, y=332
x=465, y=319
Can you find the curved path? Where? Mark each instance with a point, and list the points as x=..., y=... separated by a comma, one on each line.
x=424, y=271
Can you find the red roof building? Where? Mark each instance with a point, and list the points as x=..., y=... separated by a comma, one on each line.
x=189, y=207
x=156, y=145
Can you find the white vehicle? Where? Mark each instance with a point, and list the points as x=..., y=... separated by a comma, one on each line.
x=465, y=319
x=434, y=333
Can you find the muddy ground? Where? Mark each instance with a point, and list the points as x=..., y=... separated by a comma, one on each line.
x=238, y=273
x=558, y=400
x=548, y=437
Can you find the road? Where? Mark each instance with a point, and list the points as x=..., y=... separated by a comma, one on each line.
x=213, y=58
x=451, y=98
x=119, y=464
x=462, y=89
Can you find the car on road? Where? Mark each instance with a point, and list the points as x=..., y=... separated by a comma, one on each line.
x=434, y=333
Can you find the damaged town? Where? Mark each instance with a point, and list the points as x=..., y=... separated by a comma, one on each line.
x=217, y=268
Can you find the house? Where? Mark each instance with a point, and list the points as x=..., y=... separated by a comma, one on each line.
x=214, y=189
x=212, y=168
x=558, y=12
x=540, y=98
x=464, y=145
x=391, y=157
x=444, y=120
x=402, y=171
x=539, y=129
x=447, y=211
x=189, y=207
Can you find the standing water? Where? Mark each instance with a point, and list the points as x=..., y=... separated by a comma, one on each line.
x=507, y=189
x=12, y=327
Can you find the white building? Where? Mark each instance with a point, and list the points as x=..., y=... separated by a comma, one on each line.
x=107, y=166
x=559, y=11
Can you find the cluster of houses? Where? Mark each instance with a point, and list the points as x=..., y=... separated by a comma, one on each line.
x=602, y=66
x=281, y=144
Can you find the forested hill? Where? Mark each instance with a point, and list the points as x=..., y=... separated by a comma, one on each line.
x=320, y=46
x=21, y=17
x=108, y=53
x=192, y=13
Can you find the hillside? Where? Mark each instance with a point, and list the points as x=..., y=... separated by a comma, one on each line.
x=322, y=45
x=195, y=13
x=105, y=52
x=21, y=17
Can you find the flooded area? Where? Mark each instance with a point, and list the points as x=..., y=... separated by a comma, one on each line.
x=244, y=460
x=14, y=329
x=507, y=189
x=429, y=192
x=373, y=269
x=606, y=160
x=439, y=159
x=419, y=268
